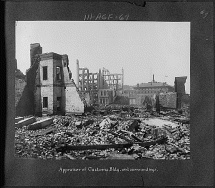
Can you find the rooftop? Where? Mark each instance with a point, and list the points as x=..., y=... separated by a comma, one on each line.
x=153, y=84
x=51, y=55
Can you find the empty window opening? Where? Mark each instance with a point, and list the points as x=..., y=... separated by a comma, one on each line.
x=45, y=102
x=58, y=73
x=58, y=103
x=45, y=73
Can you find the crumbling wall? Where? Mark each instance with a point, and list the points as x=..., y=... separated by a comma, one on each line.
x=87, y=98
x=168, y=100
x=25, y=105
x=31, y=74
x=180, y=89
x=185, y=99
x=37, y=102
x=73, y=101
x=20, y=75
x=34, y=50
x=19, y=88
x=74, y=104
x=37, y=95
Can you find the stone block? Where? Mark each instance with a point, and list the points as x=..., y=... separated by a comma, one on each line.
x=25, y=122
x=17, y=119
x=40, y=124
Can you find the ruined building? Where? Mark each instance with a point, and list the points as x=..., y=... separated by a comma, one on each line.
x=180, y=89
x=20, y=83
x=98, y=88
x=49, y=85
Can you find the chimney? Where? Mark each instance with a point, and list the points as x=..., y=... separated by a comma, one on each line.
x=100, y=79
x=153, y=78
x=35, y=49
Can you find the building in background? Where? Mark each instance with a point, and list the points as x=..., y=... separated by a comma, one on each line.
x=153, y=87
x=48, y=87
x=101, y=87
x=137, y=94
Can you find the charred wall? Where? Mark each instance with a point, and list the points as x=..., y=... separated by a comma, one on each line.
x=34, y=50
x=25, y=104
x=180, y=89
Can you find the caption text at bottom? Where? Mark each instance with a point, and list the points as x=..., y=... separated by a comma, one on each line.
x=110, y=169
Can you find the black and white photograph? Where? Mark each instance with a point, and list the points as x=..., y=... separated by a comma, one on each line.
x=102, y=90
x=109, y=93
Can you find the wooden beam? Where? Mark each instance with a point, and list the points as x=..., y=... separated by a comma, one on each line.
x=107, y=146
x=121, y=136
x=40, y=124
x=99, y=147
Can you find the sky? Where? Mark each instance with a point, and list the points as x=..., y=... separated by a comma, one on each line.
x=140, y=48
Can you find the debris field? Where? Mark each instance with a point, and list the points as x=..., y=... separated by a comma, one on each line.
x=105, y=134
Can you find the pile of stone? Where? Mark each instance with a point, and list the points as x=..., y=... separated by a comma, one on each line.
x=100, y=137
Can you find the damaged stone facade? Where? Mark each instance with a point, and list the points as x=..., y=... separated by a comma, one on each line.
x=56, y=92
x=49, y=85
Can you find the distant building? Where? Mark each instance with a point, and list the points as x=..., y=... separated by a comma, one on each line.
x=100, y=88
x=154, y=87
x=105, y=96
x=137, y=94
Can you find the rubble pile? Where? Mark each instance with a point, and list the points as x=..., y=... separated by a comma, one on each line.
x=107, y=136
